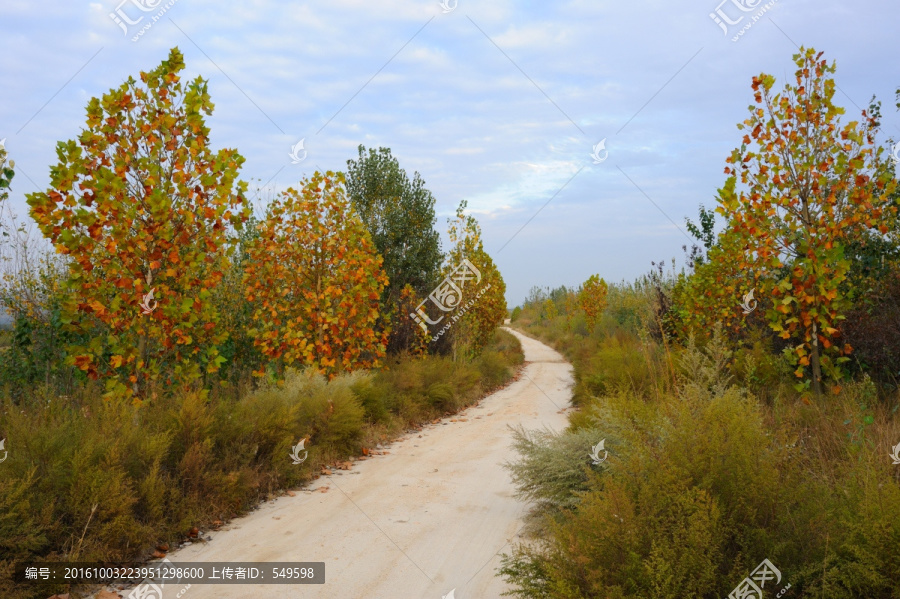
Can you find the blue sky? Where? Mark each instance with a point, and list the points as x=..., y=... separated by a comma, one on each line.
x=498, y=103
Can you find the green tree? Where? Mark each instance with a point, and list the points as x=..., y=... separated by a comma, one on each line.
x=236, y=313
x=810, y=186
x=399, y=214
x=704, y=232
x=142, y=207
x=571, y=303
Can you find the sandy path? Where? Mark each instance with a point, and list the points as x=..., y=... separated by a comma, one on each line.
x=431, y=516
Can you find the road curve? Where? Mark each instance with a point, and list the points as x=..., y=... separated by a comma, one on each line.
x=431, y=516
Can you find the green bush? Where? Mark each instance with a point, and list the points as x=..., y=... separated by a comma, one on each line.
x=703, y=483
x=131, y=477
x=554, y=469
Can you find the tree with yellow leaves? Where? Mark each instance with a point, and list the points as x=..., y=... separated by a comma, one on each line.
x=592, y=299
x=483, y=306
x=550, y=312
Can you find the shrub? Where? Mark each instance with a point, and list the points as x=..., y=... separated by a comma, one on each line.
x=553, y=468
x=703, y=483
x=131, y=477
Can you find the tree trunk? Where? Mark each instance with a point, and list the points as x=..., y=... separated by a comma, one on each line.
x=142, y=349
x=814, y=361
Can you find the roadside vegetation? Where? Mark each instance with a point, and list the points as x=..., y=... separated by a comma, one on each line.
x=747, y=402
x=163, y=348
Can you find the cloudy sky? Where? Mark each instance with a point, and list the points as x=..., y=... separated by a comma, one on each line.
x=499, y=103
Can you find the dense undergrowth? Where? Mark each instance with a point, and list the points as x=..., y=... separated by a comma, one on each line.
x=714, y=464
x=88, y=479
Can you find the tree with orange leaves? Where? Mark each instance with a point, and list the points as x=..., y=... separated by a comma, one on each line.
x=810, y=186
x=314, y=279
x=142, y=206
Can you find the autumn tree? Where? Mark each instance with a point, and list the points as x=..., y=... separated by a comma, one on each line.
x=482, y=306
x=550, y=312
x=399, y=215
x=142, y=207
x=409, y=335
x=592, y=299
x=314, y=279
x=808, y=187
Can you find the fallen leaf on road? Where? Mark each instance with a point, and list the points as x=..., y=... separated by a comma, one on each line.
x=104, y=594
x=158, y=554
x=323, y=489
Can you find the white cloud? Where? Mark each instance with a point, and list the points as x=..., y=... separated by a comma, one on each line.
x=453, y=107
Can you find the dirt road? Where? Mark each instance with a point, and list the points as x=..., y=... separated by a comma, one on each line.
x=431, y=516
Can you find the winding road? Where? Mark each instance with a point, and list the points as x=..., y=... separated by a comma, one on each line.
x=430, y=517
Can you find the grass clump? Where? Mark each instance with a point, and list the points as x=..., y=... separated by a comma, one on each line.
x=703, y=481
x=92, y=480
